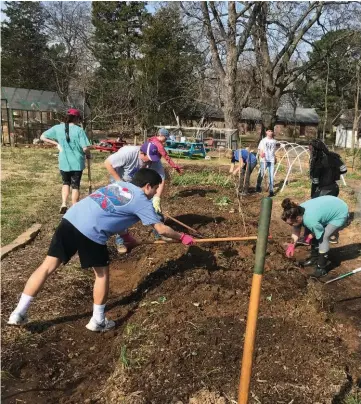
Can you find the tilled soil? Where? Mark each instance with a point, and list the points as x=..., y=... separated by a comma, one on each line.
x=181, y=316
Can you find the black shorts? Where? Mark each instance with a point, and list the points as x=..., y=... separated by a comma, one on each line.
x=67, y=240
x=71, y=178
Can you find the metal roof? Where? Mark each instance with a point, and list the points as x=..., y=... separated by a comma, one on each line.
x=38, y=100
x=300, y=115
x=284, y=114
x=346, y=118
x=251, y=114
x=27, y=100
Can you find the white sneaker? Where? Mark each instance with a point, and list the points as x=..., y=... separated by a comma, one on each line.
x=17, y=319
x=107, y=325
x=119, y=243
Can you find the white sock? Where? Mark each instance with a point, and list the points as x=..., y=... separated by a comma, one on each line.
x=98, y=312
x=23, y=304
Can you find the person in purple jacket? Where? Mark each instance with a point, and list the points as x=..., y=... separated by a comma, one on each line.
x=85, y=229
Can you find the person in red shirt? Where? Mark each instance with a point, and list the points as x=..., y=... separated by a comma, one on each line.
x=159, y=140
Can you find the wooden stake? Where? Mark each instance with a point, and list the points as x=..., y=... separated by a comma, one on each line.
x=89, y=177
x=249, y=341
x=204, y=240
x=182, y=224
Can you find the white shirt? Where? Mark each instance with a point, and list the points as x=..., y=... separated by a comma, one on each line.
x=268, y=146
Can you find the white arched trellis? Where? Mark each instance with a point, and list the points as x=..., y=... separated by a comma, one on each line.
x=292, y=154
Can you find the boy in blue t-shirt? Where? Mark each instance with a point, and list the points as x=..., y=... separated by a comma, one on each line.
x=85, y=229
x=248, y=163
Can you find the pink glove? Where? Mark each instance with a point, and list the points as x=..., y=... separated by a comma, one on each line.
x=129, y=241
x=263, y=154
x=128, y=238
x=186, y=239
x=308, y=239
x=290, y=250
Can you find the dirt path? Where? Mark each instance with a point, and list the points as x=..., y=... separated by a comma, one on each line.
x=180, y=317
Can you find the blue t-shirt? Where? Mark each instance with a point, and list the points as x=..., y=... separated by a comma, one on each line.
x=324, y=210
x=111, y=210
x=244, y=155
x=72, y=157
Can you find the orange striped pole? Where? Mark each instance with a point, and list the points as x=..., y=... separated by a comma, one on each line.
x=251, y=328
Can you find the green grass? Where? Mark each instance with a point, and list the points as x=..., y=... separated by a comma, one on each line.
x=353, y=399
x=31, y=187
x=124, y=360
x=203, y=178
x=222, y=201
x=356, y=175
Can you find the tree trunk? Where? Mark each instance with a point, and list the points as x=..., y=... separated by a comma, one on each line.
x=229, y=83
x=230, y=107
x=356, y=109
x=326, y=101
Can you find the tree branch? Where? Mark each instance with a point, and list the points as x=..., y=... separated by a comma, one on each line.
x=243, y=12
x=218, y=19
x=293, y=40
x=242, y=41
x=209, y=32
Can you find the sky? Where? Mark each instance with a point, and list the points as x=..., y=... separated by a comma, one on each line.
x=151, y=7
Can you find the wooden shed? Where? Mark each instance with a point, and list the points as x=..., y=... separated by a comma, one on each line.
x=344, y=130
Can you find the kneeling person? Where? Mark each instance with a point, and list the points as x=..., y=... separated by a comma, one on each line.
x=85, y=229
x=322, y=216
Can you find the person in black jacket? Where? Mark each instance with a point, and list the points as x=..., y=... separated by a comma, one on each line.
x=325, y=169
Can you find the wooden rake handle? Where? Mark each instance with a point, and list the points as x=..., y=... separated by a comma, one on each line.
x=204, y=240
x=182, y=224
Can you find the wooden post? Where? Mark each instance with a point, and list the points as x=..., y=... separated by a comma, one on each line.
x=249, y=341
x=135, y=140
x=145, y=134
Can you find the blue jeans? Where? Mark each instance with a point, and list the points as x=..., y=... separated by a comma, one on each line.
x=270, y=166
x=246, y=172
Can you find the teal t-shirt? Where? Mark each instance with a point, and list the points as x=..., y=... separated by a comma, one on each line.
x=324, y=210
x=72, y=157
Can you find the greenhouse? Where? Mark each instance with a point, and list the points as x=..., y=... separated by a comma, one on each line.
x=26, y=114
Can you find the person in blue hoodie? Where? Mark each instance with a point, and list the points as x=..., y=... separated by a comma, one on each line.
x=248, y=163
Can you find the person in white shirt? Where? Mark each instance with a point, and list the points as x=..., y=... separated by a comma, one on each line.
x=267, y=152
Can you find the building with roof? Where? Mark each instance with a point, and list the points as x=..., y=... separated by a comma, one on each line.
x=26, y=113
x=290, y=122
x=344, y=130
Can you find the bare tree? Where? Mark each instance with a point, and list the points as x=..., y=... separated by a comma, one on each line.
x=69, y=29
x=357, y=113
x=281, y=34
x=227, y=29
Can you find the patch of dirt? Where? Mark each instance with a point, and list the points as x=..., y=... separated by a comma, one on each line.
x=181, y=317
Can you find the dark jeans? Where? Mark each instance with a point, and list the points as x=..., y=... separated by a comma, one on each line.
x=332, y=190
x=245, y=176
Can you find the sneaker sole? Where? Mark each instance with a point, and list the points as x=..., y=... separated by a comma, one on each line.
x=17, y=324
x=63, y=210
x=122, y=249
x=90, y=328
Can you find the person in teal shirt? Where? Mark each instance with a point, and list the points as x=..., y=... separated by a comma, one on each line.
x=73, y=146
x=322, y=216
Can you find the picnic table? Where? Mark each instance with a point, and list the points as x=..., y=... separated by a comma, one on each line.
x=110, y=145
x=187, y=149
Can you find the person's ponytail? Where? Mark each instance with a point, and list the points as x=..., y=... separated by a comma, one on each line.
x=67, y=132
